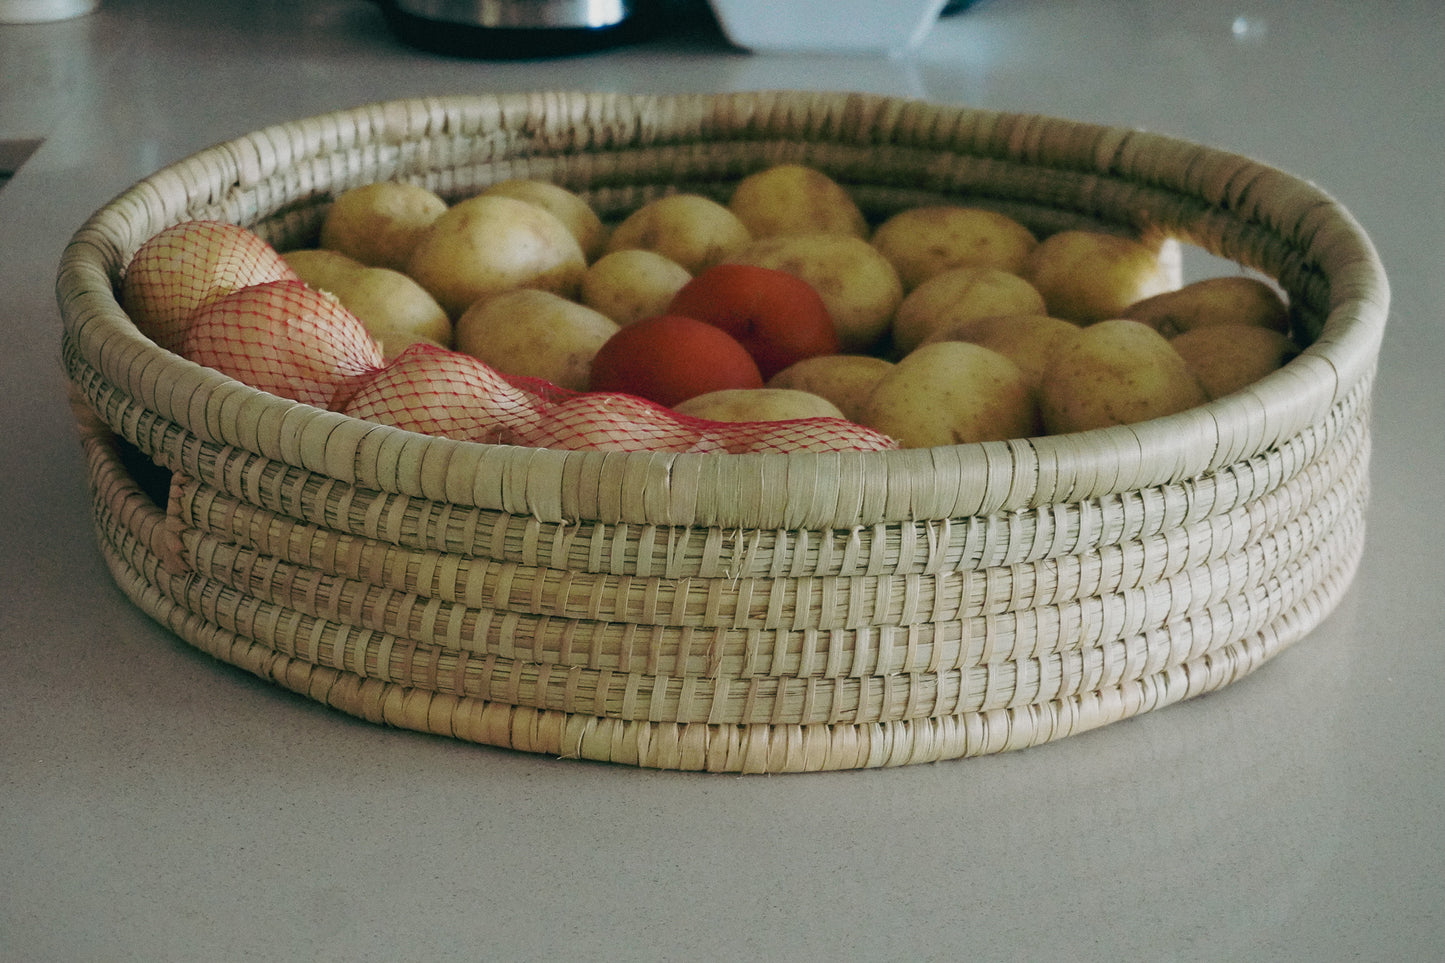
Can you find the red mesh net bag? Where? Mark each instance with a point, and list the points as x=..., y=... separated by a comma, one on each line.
x=439, y=392
x=188, y=266
x=281, y=336
x=286, y=338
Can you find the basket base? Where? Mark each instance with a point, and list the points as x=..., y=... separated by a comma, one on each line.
x=134, y=539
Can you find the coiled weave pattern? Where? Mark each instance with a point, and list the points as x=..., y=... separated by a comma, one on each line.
x=758, y=612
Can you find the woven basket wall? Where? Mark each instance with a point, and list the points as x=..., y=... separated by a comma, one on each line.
x=736, y=612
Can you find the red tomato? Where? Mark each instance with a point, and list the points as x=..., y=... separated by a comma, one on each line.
x=779, y=318
x=669, y=358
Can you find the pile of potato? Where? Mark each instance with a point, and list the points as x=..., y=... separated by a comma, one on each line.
x=956, y=323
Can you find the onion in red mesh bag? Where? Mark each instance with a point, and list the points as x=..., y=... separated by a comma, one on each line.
x=800, y=434
x=439, y=392
x=188, y=266
x=611, y=421
x=285, y=338
x=435, y=391
x=454, y=395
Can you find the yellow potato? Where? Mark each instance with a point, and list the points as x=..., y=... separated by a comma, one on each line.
x=951, y=392
x=1088, y=276
x=1228, y=357
x=923, y=241
x=960, y=294
x=486, y=245
x=695, y=231
x=395, y=310
x=1232, y=299
x=379, y=224
x=568, y=207
x=757, y=404
x=1115, y=372
x=857, y=284
x=321, y=267
x=630, y=285
x=536, y=334
x=795, y=199
x=1028, y=340
x=844, y=379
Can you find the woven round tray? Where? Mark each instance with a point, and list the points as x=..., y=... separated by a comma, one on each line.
x=735, y=612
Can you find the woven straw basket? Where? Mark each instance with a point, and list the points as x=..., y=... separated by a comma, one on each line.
x=736, y=612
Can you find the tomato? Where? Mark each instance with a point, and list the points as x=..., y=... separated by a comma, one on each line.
x=779, y=318
x=669, y=358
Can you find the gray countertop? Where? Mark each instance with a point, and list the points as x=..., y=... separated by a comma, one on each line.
x=159, y=805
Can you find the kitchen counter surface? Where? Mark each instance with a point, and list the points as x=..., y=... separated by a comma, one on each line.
x=159, y=805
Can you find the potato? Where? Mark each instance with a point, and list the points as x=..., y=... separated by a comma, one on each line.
x=536, y=334
x=1028, y=340
x=1228, y=357
x=568, y=207
x=322, y=268
x=695, y=231
x=923, y=241
x=757, y=404
x=951, y=392
x=795, y=199
x=844, y=379
x=1088, y=276
x=395, y=309
x=960, y=294
x=1232, y=299
x=857, y=284
x=379, y=224
x=630, y=285
x=1115, y=372
x=486, y=245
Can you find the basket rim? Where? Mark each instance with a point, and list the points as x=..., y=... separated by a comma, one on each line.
x=987, y=477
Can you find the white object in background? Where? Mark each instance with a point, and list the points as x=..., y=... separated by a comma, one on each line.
x=44, y=11
x=833, y=26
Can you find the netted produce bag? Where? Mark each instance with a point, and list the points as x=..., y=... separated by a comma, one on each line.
x=189, y=266
x=440, y=392
x=281, y=336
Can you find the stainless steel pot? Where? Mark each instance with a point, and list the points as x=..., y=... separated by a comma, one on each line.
x=507, y=29
x=521, y=14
